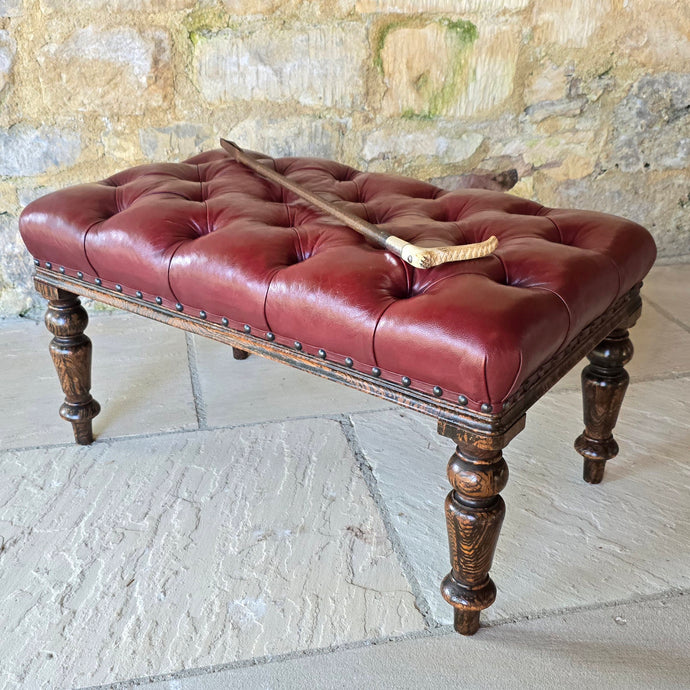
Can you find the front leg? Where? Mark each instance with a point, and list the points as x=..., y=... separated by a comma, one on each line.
x=70, y=349
x=474, y=514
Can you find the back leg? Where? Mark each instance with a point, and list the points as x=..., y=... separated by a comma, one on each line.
x=604, y=383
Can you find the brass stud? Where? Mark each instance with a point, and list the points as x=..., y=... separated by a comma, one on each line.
x=406, y=381
x=159, y=300
x=376, y=371
x=202, y=314
x=139, y=294
x=486, y=407
x=270, y=336
x=438, y=391
x=322, y=354
x=247, y=328
x=118, y=287
x=179, y=307
x=62, y=269
x=80, y=275
x=224, y=321
x=98, y=281
x=349, y=362
x=48, y=264
x=462, y=399
x=298, y=345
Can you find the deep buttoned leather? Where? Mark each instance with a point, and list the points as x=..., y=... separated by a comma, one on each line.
x=210, y=235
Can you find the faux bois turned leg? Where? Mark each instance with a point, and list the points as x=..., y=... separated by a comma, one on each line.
x=70, y=349
x=474, y=514
x=604, y=382
x=239, y=354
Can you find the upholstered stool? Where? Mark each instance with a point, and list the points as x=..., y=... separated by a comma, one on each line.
x=213, y=248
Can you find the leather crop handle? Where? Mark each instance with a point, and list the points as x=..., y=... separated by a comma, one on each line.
x=419, y=257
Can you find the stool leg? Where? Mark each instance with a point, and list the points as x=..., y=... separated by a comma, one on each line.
x=70, y=349
x=239, y=354
x=474, y=514
x=604, y=383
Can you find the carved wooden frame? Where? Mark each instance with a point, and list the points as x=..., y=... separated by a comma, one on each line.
x=477, y=471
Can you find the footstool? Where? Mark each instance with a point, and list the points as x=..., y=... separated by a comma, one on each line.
x=211, y=247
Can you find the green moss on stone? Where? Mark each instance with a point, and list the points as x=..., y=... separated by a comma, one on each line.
x=463, y=33
x=409, y=114
x=466, y=31
x=200, y=22
x=380, y=37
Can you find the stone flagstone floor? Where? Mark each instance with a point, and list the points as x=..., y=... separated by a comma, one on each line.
x=242, y=524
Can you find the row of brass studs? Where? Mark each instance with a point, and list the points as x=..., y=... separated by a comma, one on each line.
x=375, y=371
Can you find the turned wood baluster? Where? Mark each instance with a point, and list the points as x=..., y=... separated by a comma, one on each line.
x=474, y=514
x=604, y=383
x=70, y=349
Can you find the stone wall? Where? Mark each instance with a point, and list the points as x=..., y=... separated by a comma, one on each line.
x=588, y=99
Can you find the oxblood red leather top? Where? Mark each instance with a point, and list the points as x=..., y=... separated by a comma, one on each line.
x=209, y=235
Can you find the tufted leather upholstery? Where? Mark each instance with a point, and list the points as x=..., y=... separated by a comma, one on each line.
x=209, y=235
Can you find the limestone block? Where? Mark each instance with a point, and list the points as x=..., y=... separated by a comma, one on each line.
x=121, y=145
x=10, y=8
x=122, y=70
x=658, y=202
x=305, y=8
x=292, y=136
x=16, y=269
x=669, y=287
x=436, y=6
x=569, y=23
x=262, y=7
x=175, y=142
x=145, y=556
x=25, y=195
x=27, y=150
x=564, y=107
x=629, y=646
x=408, y=141
x=117, y=5
x=652, y=125
x=572, y=167
x=447, y=68
x=546, y=83
x=524, y=188
x=550, y=151
x=8, y=49
x=312, y=65
x=658, y=35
